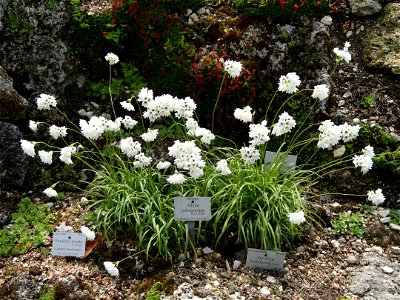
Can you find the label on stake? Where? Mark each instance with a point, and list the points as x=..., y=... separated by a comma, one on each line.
x=288, y=163
x=192, y=208
x=269, y=260
x=68, y=244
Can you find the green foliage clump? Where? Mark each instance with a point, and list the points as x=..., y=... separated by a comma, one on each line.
x=17, y=20
x=30, y=226
x=349, y=223
x=49, y=294
x=268, y=9
x=388, y=160
x=395, y=215
x=369, y=101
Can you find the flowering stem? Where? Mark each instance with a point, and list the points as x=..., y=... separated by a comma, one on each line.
x=334, y=69
x=109, y=91
x=269, y=105
x=216, y=102
x=140, y=114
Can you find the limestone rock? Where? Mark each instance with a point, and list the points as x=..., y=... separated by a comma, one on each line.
x=12, y=105
x=364, y=8
x=3, y=6
x=13, y=161
x=382, y=43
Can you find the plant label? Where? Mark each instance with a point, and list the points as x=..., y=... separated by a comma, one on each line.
x=192, y=208
x=288, y=161
x=269, y=260
x=68, y=244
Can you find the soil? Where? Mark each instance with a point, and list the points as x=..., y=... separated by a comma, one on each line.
x=320, y=266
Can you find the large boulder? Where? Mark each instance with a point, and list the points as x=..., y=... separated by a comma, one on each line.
x=12, y=105
x=364, y=8
x=381, y=45
x=13, y=161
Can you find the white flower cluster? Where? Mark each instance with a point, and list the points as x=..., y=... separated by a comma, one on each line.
x=376, y=197
x=28, y=147
x=176, y=178
x=57, y=132
x=33, y=125
x=233, y=68
x=244, y=114
x=96, y=126
x=45, y=101
x=289, y=83
x=163, y=106
x=191, y=126
x=128, y=122
x=112, y=58
x=65, y=154
x=129, y=147
x=206, y=136
x=331, y=134
x=250, y=154
x=320, y=92
x=364, y=161
x=296, y=218
x=50, y=192
x=187, y=156
x=285, y=124
x=127, y=105
x=259, y=134
x=90, y=235
x=150, y=135
x=141, y=160
x=111, y=268
x=46, y=156
x=162, y=165
x=222, y=166
x=343, y=54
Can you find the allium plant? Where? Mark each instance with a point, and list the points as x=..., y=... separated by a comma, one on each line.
x=133, y=188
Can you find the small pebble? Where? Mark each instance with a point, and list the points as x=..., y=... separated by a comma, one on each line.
x=271, y=279
x=395, y=249
x=386, y=220
x=347, y=94
x=394, y=227
x=387, y=270
x=236, y=264
x=349, y=33
x=207, y=250
x=327, y=20
x=341, y=103
x=352, y=260
x=377, y=249
x=265, y=292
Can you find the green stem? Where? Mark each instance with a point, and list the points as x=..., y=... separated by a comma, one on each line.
x=109, y=91
x=216, y=103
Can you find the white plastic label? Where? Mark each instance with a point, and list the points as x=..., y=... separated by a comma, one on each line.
x=192, y=208
x=269, y=260
x=68, y=244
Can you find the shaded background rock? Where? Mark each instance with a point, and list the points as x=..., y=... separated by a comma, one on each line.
x=12, y=105
x=364, y=8
x=381, y=45
x=13, y=161
x=3, y=6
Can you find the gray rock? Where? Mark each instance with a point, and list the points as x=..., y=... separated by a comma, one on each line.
x=364, y=8
x=394, y=227
x=380, y=45
x=12, y=105
x=351, y=260
x=3, y=7
x=13, y=161
x=327, y=20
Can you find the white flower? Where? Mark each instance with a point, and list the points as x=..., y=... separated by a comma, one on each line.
x=33, y=125
x=244, y=114
x=65, y=154
x=196, y=172
x=364, y=162
x=206, y=135
x=285, y=124
x=90, y=235
x=161, y=106
x=145, y=96
x=92, y=129
x=289, y=83
x=162, y=165
x=111, y=268
x=343, y=54
x=50, y=192
x=191, y=125
x=222, y=166
x=28, y=148
x=128, y=122
x=129, y=147
x=111, y=58
x=127, y=105
x=233, y=68
x=150, y=135
x=187, y=155
x=177, y=178
x=369, y=151
x=249, y=154
x=184, y=108
x=46, y=156
x=57, y=132
x=141, y=160
x=64, y=228
x=259, y=134
x=330, y=134
x=349, y=132
x=297, y=217
x=110, y=125
x=376, y=197
x=320, y=92
x=45, y=101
